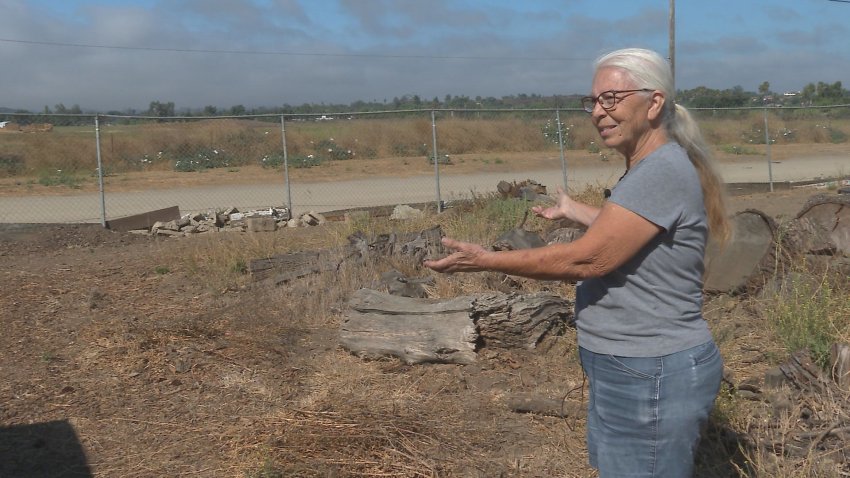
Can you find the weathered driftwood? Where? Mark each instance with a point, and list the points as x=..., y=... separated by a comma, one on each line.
x=448, y=330
x=747, y=259
x=839, y=361
x=285, y=267
x=823, y=413
x=823, y=225
x=415, y=330
x=519, y=321
x=803, y=374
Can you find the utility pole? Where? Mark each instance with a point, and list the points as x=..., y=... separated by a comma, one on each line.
x=672, y=45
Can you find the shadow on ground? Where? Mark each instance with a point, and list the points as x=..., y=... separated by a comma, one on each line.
x=41, y=450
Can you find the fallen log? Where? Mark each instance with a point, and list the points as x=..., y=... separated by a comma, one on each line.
x=448, y=330
x=826, y=219
x=415, y=330
x=747, y=259
x=282, y=268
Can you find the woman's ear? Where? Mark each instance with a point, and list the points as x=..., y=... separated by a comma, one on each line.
x=656, y=105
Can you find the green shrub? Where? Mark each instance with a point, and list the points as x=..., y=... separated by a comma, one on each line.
x=328, y=149
x=273, y=160
x=737, y=150
x=302, y=161
x=837, y=136
x=203, y=158
x=59, y=178
x=810, y=313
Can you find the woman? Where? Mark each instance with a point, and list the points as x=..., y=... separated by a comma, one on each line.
x=652, y=365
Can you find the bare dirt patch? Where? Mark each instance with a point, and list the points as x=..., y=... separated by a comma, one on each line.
x=156, y=374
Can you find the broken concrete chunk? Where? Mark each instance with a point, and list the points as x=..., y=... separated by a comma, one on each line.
x=403, y=211
x=261, y=224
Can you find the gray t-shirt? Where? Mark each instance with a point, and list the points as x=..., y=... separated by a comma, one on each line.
x=652, y=305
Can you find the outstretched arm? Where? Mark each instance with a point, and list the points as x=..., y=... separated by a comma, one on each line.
x=615, y=236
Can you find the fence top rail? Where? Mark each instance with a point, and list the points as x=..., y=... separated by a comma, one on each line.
x=768, y=107
x=385, y=112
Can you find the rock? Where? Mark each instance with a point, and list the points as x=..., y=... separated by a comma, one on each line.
x=518, y=239
x=774, y=378
x=170, y=226
x=312, y=218
x=166, y=232
x=261, y=224
x=403, y=211
x=398, y=284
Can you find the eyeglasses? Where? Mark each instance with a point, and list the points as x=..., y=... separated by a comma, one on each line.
x=607, y=99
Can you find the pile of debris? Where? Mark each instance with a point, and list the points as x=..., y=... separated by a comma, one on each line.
x=232, y=220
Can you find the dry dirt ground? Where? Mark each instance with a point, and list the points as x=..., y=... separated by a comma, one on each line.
x=118, y=362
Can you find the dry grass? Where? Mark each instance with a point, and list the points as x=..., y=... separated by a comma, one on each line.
x=157, y=146
x=355, y=418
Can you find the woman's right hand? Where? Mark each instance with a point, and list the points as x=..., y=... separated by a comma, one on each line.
x=563, y=209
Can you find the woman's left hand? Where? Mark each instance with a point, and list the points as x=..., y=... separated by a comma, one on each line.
x=464, y=259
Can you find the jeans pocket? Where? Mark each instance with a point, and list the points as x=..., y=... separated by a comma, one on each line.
x=643, y=368
x=704, y=353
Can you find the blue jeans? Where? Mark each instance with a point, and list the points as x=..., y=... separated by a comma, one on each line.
x=645, y=415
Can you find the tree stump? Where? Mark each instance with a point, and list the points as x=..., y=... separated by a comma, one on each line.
x=449, y=330
x=829, y=217
x=747, y=259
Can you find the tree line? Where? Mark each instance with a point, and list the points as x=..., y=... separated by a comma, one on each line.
x=813, y=94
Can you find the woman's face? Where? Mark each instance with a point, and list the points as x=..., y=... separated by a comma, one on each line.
x=624, y=126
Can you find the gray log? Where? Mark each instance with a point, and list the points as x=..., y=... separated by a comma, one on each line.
x=448, y=331
x=747, y=259
x=414, y=330
x=519, y=321
x=285, y=267
x=829, y=217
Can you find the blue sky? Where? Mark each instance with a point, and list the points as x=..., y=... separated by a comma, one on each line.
x=118, y=54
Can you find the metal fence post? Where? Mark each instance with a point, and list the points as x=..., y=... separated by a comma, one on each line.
x=100, y=171
x=767, y=146
x=561, y=145
x=436, y=160
x=286, y=166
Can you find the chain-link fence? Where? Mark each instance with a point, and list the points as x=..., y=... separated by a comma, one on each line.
x=94, y=168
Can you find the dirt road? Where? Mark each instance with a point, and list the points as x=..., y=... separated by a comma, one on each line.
x=373, y=191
